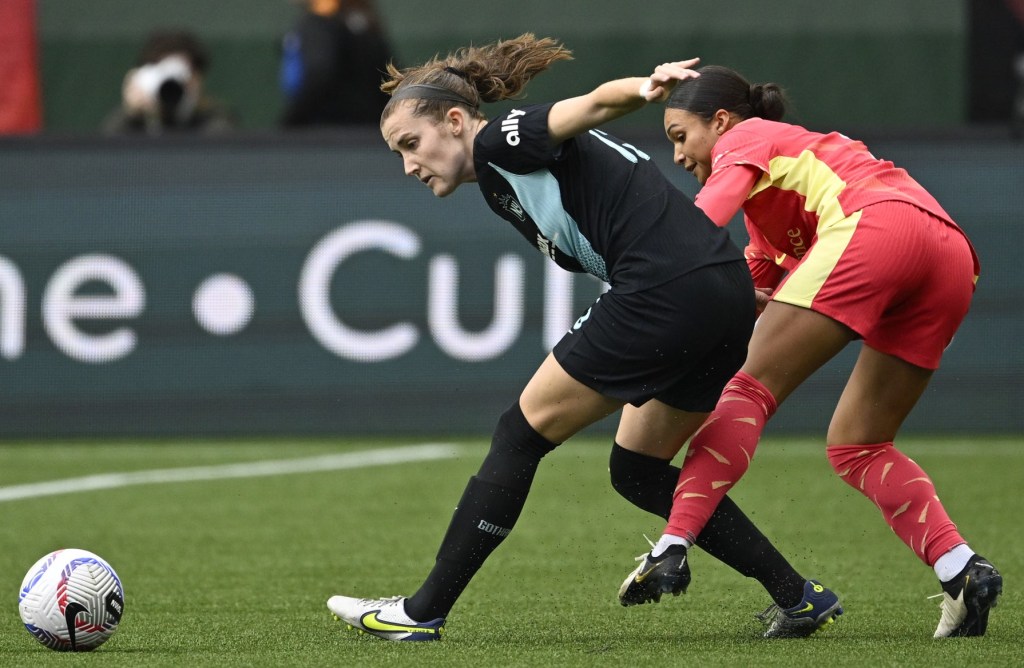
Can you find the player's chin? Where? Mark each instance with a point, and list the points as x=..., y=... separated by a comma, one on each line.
x=442, y=189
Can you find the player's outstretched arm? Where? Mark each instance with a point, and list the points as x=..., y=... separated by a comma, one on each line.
x=613, y=99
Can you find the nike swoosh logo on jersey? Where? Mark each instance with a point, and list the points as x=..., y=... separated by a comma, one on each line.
x=372, y=623
x=780, y=258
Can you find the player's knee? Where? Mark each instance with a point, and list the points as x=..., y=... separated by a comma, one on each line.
x=644, y=481
x=513, y=434
x=846, y=460
x=516, y=451
x=743, y=386
x=625, y=469
x=840, y=457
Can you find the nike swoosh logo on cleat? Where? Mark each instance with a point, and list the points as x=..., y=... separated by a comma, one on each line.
x=372, y=623
x=640, y=577
x=807, y=608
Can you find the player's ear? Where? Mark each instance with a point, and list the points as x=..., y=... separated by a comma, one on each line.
x=721, y=121
x=455, y=119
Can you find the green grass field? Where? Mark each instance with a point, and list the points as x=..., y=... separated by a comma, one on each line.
x=234, y=571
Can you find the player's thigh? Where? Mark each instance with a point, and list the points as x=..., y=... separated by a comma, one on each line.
x=656, y=429
x=557, y=405
x=881, y=392
x=789, y=344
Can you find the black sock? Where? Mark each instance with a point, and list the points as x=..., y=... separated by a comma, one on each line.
x=729, y=536
x=485, y=515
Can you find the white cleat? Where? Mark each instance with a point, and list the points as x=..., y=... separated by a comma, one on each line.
x=384, y=618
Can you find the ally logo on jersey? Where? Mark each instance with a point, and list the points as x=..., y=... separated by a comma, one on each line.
x=510, y=127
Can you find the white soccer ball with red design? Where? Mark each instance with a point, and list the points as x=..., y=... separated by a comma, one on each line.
x=71, y=600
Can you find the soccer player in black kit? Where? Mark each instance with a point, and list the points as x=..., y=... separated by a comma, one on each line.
x=660, y=344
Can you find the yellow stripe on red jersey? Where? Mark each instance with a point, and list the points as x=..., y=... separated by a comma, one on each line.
x=808, y=180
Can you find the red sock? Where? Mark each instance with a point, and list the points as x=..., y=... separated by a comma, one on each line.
x=903, y=492
x=719, y=454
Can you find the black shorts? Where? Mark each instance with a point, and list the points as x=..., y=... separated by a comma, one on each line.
x=679, y=342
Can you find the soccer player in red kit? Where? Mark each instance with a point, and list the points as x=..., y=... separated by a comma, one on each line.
x=843, y=246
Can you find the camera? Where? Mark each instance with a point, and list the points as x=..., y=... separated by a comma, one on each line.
x=164, y=85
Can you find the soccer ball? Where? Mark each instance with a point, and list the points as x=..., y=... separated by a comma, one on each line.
x=71, y=601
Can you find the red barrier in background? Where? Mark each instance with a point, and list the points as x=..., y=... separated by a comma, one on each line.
x=20, y=106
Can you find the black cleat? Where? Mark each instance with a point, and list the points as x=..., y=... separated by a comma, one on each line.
x=669, y=573
x=968, y=598
x=820, y=606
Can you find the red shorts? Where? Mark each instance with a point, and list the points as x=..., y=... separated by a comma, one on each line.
x=895, y=274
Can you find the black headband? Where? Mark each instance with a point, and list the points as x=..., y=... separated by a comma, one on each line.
x=430, y=92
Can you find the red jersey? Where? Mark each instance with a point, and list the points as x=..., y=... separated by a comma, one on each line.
x=791, y=182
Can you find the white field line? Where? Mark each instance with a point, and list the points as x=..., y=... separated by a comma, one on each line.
x=351, y=460
x=419, y=453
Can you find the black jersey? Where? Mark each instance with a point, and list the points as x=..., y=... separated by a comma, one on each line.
x=593, y=203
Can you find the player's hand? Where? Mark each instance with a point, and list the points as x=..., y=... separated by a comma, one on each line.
x=761, y=298
x=665, y=77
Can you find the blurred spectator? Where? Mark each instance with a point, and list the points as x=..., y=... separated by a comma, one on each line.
x=995, y=43
x=1018, y=101
x=332, y=64
x=165, y=93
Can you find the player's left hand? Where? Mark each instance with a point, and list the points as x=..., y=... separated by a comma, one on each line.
x=666, y=76
x=761, y=298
